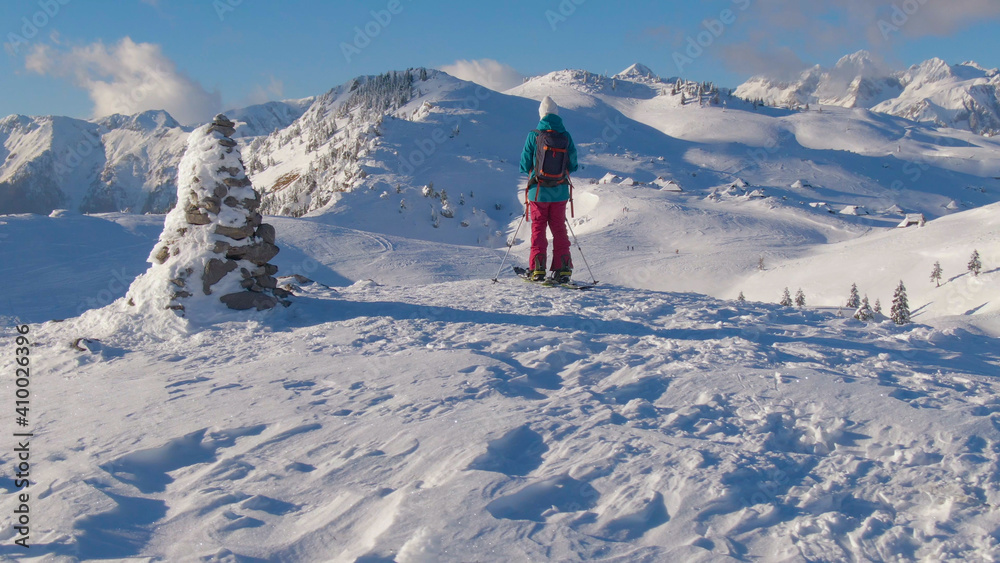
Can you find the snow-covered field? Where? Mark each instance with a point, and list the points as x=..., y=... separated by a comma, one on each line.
x=467, y=421
x=405, y=408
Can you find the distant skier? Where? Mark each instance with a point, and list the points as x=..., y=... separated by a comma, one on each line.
x=549, y=156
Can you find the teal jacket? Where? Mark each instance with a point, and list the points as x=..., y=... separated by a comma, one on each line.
x=557, y=193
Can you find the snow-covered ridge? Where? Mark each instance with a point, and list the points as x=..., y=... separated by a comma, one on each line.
x=114, y=163
x=964, y=95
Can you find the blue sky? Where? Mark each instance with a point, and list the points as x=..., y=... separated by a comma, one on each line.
x=88, y=58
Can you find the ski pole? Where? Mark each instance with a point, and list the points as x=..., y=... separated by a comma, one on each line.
x=509, y=246
x=594, y=280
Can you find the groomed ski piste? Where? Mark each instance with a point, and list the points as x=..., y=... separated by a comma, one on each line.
x=406, y=408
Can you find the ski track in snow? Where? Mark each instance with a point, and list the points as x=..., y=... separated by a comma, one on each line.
x=466, y=421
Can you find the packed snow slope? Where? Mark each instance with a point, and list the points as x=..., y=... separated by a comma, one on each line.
x=877, y=262
x=467, y=421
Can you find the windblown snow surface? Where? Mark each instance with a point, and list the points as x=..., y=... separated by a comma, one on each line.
x=472, y=421
x=406, y=408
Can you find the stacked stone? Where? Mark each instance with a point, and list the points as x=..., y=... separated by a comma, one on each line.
x=228, y=205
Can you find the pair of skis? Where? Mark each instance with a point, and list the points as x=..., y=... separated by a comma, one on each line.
x=525, y=275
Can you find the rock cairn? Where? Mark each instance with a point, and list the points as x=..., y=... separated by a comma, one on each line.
x=215, y=246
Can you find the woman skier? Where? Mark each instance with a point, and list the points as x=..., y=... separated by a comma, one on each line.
x=549, y=156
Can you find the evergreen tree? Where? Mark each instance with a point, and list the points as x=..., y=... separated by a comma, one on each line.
x=878, y=307
x=975, y=266
x=900, y=311
x=864, y=312
x=800, y=298
x=741, y=298
x=854, y=301
x=760, y=264
x=786, y=299
x=936, y=273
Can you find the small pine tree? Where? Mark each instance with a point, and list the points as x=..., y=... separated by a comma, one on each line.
x=854, y=301
x=800, y=298
x=741, y=298
x=975, y=265
x=900, y=311
x=864, y=312
x=878, y=307
x=786, y=299
x=760, y=264
x=936, y=273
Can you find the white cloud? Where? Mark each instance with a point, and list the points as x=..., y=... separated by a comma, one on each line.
x=128, y=78
x=486, y=72
x=757, y=42
x=262, y=93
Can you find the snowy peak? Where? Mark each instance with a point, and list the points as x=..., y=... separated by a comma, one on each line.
x=862, y=64
x=963, y=96
x=637, y=70
x=263, y=119
x=857, y=80
x=146, y=122
x=966, y=96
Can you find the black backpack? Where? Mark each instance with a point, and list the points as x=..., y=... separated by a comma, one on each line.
x=551, y=158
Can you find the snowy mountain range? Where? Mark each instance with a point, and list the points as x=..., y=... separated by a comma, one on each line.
x=110, y=164
x=965, y=95
x=307, y=152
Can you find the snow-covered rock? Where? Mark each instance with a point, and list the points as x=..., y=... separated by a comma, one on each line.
x=215, y=250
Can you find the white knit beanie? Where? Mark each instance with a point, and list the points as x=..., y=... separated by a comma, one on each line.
x=547, y=107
